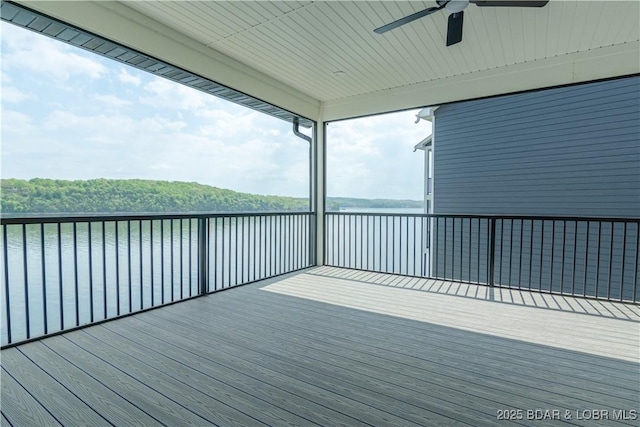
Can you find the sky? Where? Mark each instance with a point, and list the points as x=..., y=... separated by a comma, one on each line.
x=69, y=114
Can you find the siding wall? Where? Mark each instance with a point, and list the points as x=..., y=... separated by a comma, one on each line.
x=566, y=151
x=572, y=151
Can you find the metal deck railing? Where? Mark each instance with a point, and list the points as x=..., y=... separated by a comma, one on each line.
x=60, y=273
x=577, y=256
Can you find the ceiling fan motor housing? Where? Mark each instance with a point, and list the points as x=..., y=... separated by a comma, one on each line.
x=455, y=6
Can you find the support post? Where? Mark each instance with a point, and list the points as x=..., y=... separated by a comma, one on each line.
x=319, y=169
x=203, y=277
x=492, y=249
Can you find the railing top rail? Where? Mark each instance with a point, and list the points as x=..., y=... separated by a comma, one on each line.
x=492, y=216
x=55, y=218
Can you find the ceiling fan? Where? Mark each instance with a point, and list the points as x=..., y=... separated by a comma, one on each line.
x=456, y=7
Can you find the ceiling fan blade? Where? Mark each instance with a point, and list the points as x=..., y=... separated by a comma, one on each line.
x=509, y=3
x=454, y=28
x=407, y=19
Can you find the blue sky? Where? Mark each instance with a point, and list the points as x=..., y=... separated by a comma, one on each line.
x=69, y=114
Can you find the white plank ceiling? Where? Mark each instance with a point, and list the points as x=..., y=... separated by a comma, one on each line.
x=304, y=44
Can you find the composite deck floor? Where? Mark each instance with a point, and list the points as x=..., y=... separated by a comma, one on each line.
x=330, y=346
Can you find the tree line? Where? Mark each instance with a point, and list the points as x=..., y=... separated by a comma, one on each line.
x=39, y=195
x=133, y=195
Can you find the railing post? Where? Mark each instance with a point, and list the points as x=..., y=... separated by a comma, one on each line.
x=202, y=256
x=492, y=249
x=312, y=233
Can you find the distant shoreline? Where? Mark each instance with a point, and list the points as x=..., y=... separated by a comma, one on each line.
x=108, y=196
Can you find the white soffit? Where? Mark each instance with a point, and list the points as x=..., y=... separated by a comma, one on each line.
x=297, y=48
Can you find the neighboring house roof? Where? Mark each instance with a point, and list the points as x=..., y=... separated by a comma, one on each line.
x=423, y=144
x=426, y=113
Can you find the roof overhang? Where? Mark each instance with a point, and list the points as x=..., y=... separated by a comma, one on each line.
x=424, y=143
x=565, y=42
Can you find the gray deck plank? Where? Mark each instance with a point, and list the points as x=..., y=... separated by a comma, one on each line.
x=363, y=384
x=358, y=357
x=315, y=402
x=316, y=280
x=4, y=421
x=548, y=327
x=603, y=338
x=103, y=400
x=511, y=296
x=20, y=408
x=150, y=366
x=416, y=339
x=60, y=402
x=294, y=356
x=408, y=338
x=149, y=400
x=259, y=352
x=410, y=351
x=204, y=360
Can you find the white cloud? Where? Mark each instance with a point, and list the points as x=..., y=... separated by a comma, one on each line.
x=373, y=157
x=112, y=100
x=65, y=120
x=14, y=123
x=163, y=93
x=13, y=95
x=24, y=50
x=110, y=128
x=125, y=77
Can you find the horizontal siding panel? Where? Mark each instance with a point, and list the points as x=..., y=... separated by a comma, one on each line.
x=559, y=148
x=623, y=140
x=544, y=111
x=557, y=196
x=532, y=129
x=520, y=171
x=623, y=88
x=557, y=126
x=494, y=176
x=552, y=114
x=590, y=159
x=605, y=127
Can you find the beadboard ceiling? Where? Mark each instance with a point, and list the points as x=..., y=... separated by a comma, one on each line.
x=326, y=54
x=305, y=43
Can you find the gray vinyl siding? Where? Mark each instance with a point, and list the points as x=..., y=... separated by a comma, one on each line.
x=572, y=151
x=564, y=151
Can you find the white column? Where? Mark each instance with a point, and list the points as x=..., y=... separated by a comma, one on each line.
x=319, y=168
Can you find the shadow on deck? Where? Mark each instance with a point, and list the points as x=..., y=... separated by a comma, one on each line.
x=331, y=346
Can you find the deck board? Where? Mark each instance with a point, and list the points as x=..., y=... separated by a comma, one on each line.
x=480, y=374
x=192, y=362
x=103, y=400
x=21, y=407
x=331, y=346
x=272, y=354
x=205, y=401
x=409, y=344
x=64, y=405
x=312, y=401
x=151, y=401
